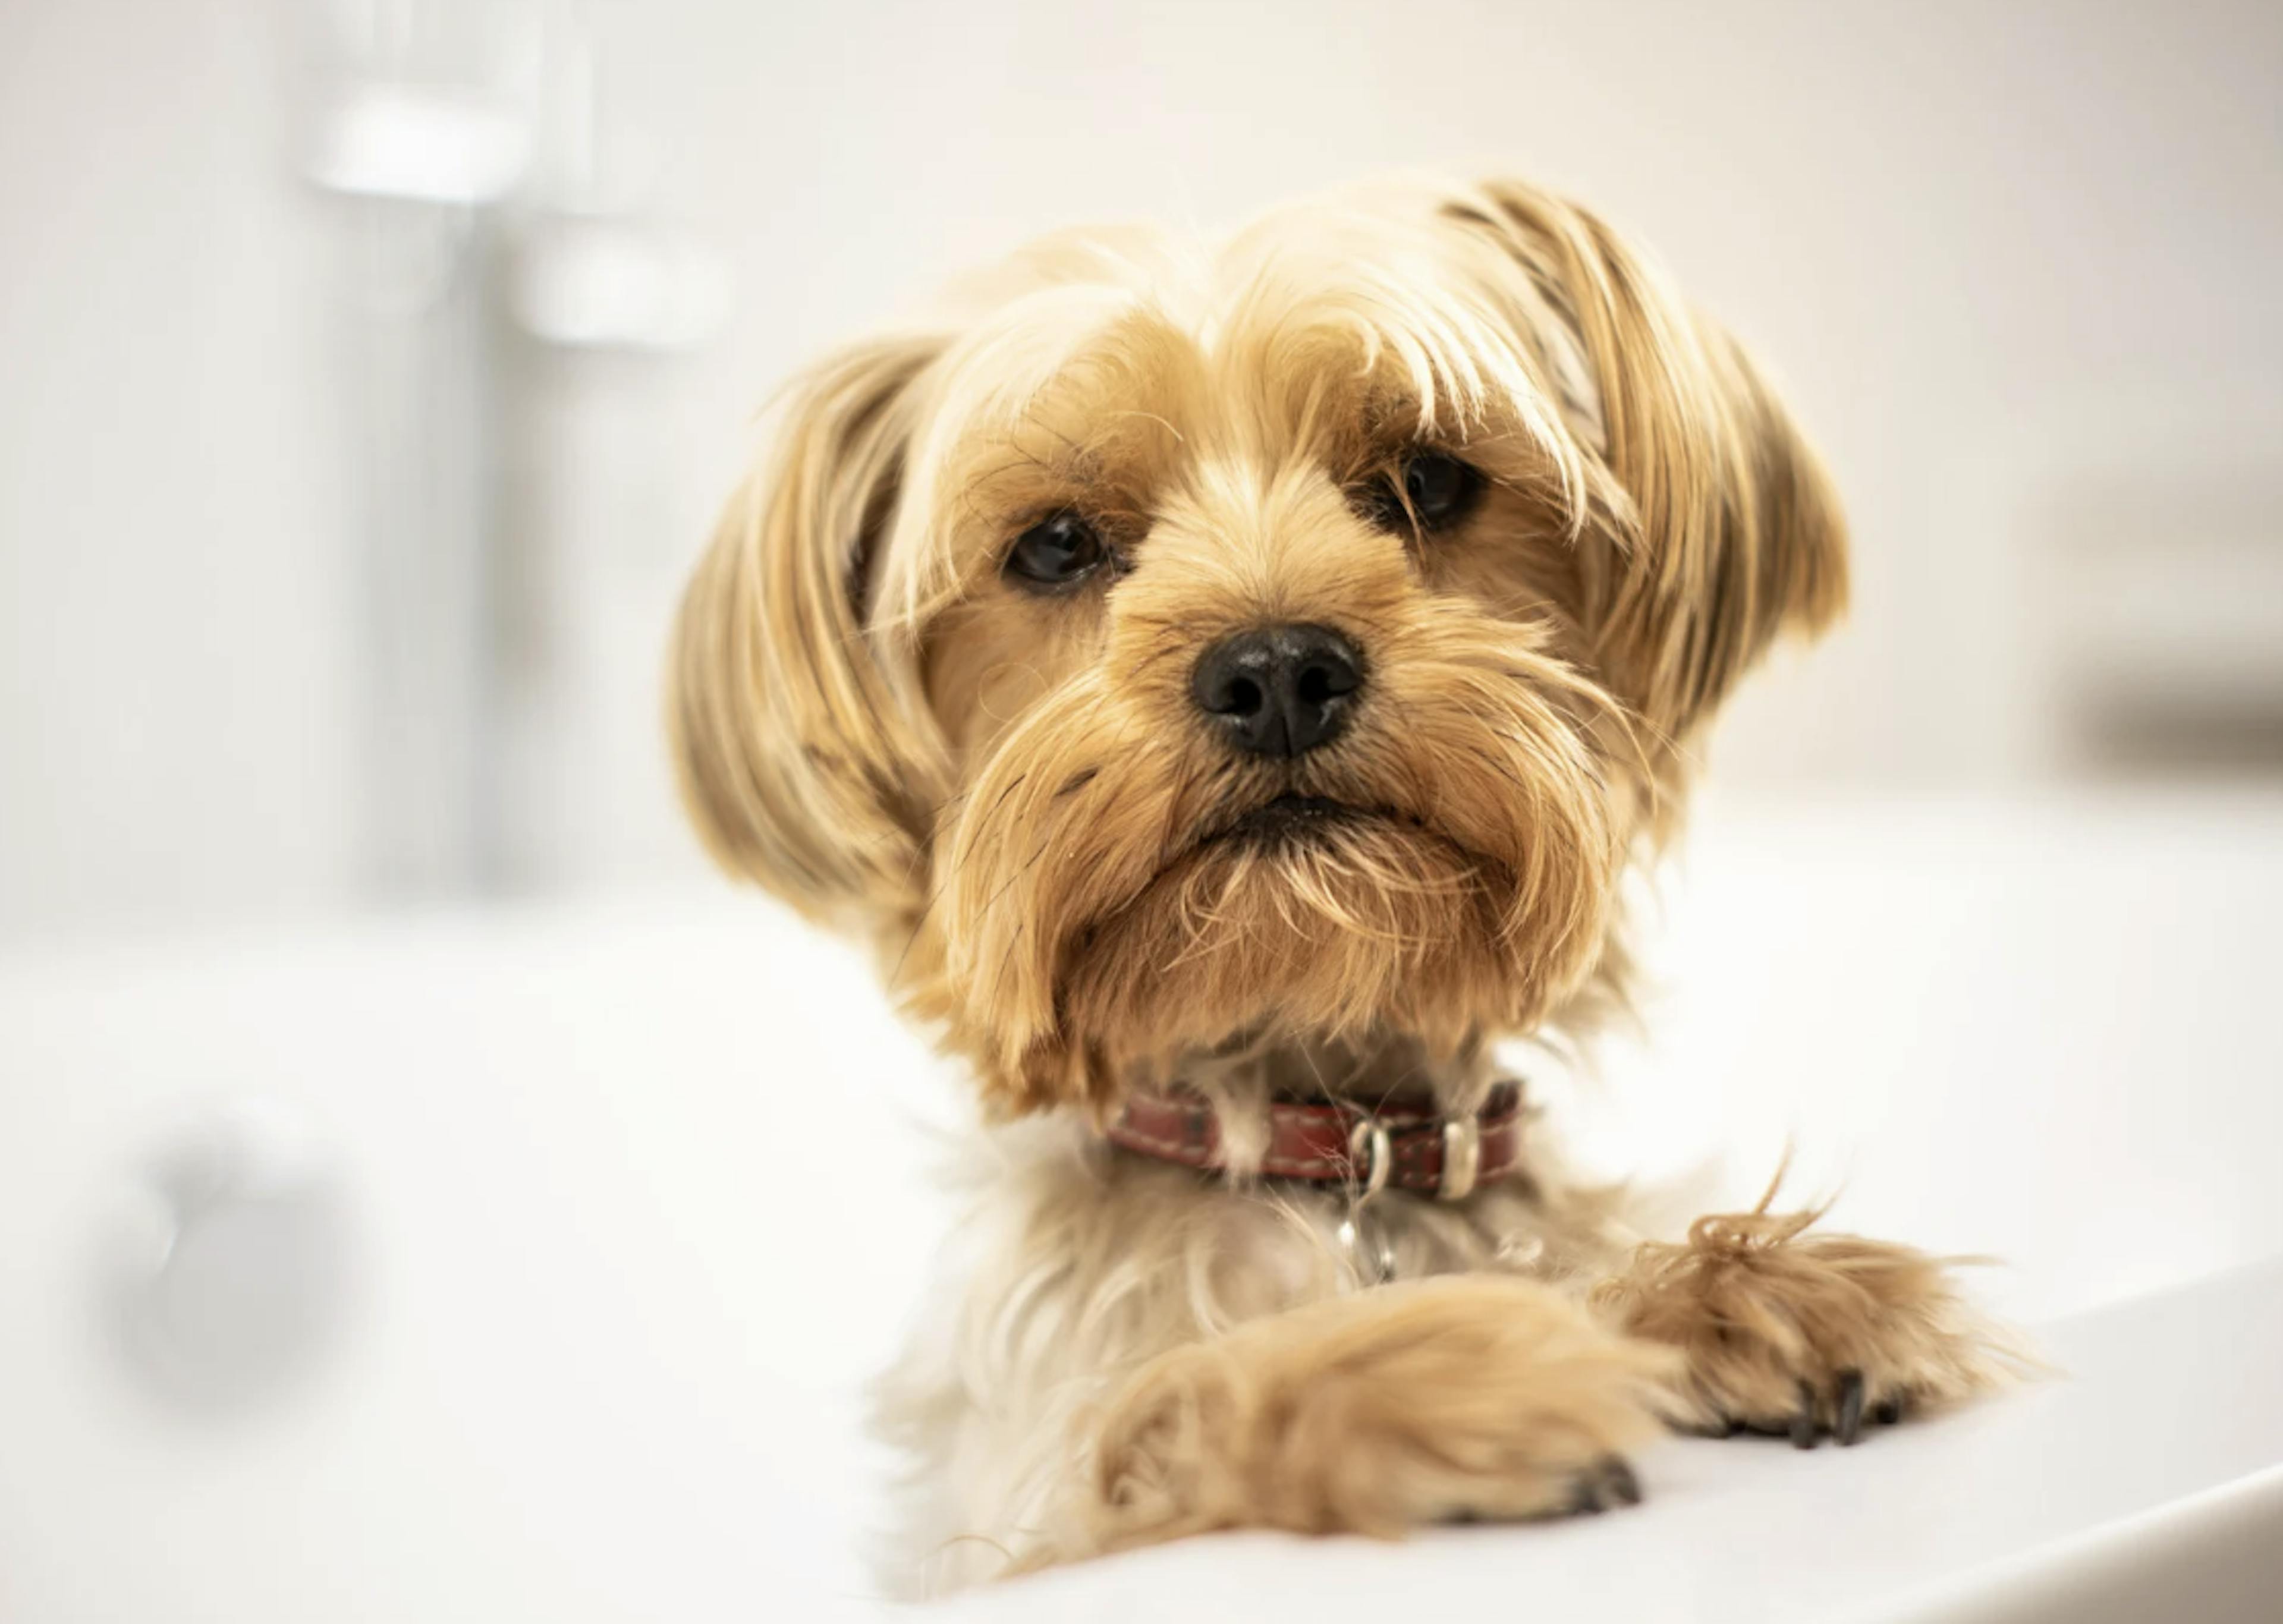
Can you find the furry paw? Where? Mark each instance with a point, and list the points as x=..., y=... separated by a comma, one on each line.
x=1805, y=1335
x=1469, y=1398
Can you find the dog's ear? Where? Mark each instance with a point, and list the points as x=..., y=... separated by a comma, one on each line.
x=803, y=760
x=1718, y=526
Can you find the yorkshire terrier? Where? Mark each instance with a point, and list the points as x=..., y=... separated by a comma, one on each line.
x=1227, y=682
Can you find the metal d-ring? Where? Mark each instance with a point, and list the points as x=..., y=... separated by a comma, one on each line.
x=1370, y=1133
x=1368, y=1248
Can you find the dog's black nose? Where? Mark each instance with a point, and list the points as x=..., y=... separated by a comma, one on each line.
x=1280, y=691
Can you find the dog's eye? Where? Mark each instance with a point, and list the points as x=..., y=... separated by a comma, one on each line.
x=1440, y=488
x=1056, y=552
x=1434, y=490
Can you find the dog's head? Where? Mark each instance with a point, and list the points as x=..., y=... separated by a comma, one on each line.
x=1293, y=639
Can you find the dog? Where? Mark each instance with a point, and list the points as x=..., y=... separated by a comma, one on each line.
x=1227, y=683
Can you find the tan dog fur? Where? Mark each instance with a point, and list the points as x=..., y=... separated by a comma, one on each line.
x=1008, y=792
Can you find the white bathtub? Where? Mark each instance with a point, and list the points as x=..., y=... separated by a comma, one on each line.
x=585, y=1292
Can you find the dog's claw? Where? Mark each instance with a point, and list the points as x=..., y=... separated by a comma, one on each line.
x=1849, y=1426
x=1609, y=1481
x=1805, y=1426
x=1805, y=1431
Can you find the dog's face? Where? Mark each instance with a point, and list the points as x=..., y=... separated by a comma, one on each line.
x=1295, y=640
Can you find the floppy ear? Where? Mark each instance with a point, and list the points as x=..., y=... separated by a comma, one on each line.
x=801, y=761
x=1720, y=528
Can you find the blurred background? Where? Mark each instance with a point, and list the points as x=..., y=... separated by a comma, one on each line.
x=373, y=368
x=397, y=1217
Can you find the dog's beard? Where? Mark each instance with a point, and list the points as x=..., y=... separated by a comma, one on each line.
x=1117, y=892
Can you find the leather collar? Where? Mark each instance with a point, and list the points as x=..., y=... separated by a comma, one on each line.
x=1404, y=1141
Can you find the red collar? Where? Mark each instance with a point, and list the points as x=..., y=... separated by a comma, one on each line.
x=1405, y=1142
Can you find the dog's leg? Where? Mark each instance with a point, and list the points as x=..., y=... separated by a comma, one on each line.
x=1803, y=1333
x=1457, y=1398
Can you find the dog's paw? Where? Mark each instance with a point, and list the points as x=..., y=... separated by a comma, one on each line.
x=1806, y=1335
x=1466, y=1399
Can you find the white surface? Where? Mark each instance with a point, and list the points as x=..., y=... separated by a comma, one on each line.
x=611, y=1307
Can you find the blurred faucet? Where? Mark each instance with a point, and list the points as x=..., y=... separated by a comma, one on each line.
x=462, y=137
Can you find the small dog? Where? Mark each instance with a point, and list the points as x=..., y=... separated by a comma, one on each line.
x=1227, y=683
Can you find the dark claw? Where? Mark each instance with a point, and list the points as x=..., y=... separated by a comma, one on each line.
x=1889, y=1410
x=1848, y=1428
x=1609, y=1481
x=1804, y=1428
